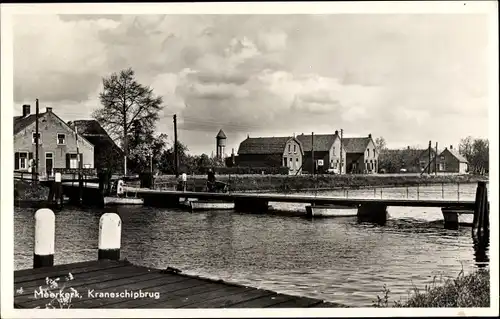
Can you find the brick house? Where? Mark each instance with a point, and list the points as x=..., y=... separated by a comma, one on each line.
x=361, y=155
x=107, y=155
x=410, y=159
x=57, y=143
x=451, y=161
x=271, y=152
x=326, y=152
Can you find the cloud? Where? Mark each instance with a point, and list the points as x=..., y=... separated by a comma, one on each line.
x=399, y=76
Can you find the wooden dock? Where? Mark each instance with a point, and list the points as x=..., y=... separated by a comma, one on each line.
x=95, y=282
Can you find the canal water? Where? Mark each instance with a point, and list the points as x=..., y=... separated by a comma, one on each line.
x=337, y=260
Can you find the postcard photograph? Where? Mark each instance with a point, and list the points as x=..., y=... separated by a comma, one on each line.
x=265, y=160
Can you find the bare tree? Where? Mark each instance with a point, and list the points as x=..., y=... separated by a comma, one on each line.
x=380, y=143
x=124, y=103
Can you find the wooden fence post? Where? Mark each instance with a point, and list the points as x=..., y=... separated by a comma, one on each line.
x=110, y=226
x=45, y=228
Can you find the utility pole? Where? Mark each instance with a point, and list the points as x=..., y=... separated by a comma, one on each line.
x=341, y=142
x=435, y=160
x=79, y=164
x=176, y=155
x=37, y=133
x=151, y=162
x=312, y=154
x=430, y=149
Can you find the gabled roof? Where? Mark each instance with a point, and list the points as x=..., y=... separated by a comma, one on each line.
x=322, y=142
x=355, y=144
x=95, y=134
x=20, y=123
x=457, y=155
x=263, y=145
x=221, y=134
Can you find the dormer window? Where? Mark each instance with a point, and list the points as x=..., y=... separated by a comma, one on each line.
x=61, y=139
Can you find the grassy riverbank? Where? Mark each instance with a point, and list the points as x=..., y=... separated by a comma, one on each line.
x=24, y=190
x=465, y=291
x=305, y=182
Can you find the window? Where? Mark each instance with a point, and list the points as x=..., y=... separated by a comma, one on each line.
x=284, y=161
x=441, y=167
x=289, y=148
x=23, y=160
x=368, y=152
x=297, y=159
x=295, y=148
x=73, y=161
x=33, y=137
x=442, y=158
x=333, y=151
x=61, y=139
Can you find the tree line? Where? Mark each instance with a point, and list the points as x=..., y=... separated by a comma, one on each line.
x=474, y=150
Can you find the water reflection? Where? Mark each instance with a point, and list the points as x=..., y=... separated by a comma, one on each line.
x=333, y=259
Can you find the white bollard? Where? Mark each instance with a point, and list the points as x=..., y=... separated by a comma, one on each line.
x=110, y=228
x=45, y=233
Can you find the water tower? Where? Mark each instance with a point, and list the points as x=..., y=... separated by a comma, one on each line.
x=221, y=144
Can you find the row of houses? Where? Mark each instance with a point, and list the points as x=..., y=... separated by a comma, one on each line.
x=58, y=142
x=331, y=153
x=410, y=160
x=358, y=155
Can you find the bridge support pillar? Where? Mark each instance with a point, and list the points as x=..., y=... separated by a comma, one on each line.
x=251, y=205
x=451, y=218
x=373, y=213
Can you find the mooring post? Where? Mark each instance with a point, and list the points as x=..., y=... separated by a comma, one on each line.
x=407, y=192
x=45, y=233
x=59, y=196
x=442, y=190
x=458, y=191
x=374, y=192
x=380, y=194
x=110, y=227
x=418, y=192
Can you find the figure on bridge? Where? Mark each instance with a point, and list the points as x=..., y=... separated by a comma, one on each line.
x=211, y=180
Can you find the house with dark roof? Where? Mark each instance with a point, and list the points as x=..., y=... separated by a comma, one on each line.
x=361, y=155
x=411, y=160
x=451, y=161
x=271, y=152
x=107, y=155
x=326, y=152
x=57, y=143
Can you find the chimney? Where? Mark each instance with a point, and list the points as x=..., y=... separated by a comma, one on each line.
x=451, y=147
x=336, y=132
x=293, y=134
x=408, y=146
x=248, y=135
x=26, y=110
x=49, y=109
x=370, y=135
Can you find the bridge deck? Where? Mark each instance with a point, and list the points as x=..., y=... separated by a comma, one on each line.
x=293, y=198
x=175, y=290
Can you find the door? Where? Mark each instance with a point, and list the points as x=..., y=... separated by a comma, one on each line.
x=49, y=163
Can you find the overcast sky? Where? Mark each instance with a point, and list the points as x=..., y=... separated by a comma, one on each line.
x=408, y=78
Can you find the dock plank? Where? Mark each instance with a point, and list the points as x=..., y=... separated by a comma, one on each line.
x=63, y=271
x=175, y=290
x=298, y=302
x=167, y=294
x=261, y=302
x=147, y=284
x=79, y=278
x=227, y=300
x=192, y=297
x=32, y=302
